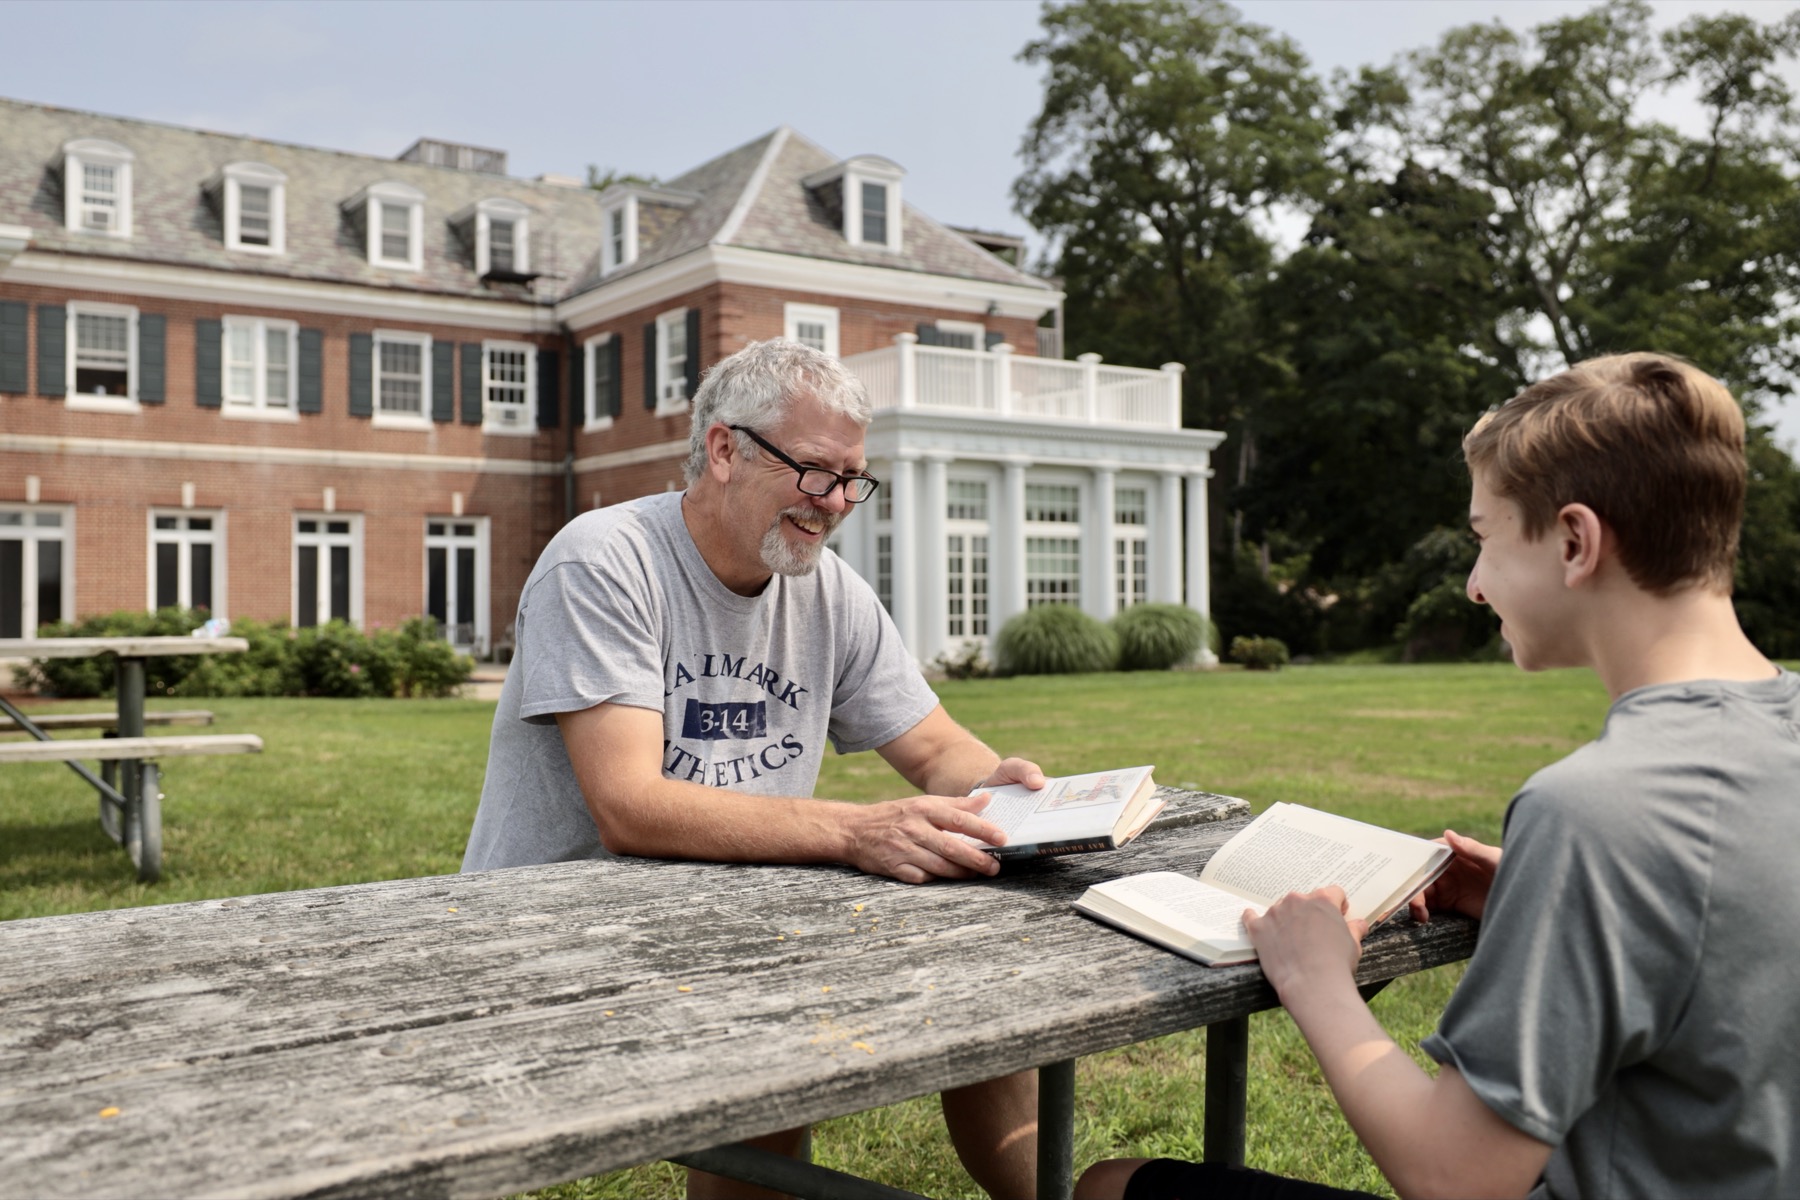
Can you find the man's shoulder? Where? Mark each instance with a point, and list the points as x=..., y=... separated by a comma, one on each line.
x=634, y=527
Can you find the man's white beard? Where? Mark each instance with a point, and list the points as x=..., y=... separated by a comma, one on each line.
x=784, y=557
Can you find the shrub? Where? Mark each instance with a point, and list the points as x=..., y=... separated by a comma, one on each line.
x=336, y=659
x=967, y=663
x=1260, y=653
x=1055, y=639
x=1155, y=637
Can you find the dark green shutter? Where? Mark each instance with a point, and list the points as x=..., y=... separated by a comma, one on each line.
x=549, y=388
x=153, y=358
x=580, y=411
x=53, y=340
x=15, y=315
x=209, y=374
x=362, y=374
x=650, y=366
x=311, y=374
x=443, y=380
x=471, y=383
x=929, y=335
x=615, y=380
x=693, y=352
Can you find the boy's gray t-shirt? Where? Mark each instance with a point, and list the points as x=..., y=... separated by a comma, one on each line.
x=622, y=609
x=1634, y=999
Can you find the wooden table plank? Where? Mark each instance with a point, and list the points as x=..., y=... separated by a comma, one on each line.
x=104, y=720
x=181, y=745
x=129, y=647
x=563, y=1020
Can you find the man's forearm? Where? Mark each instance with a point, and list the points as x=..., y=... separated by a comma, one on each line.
x=672, y=819
x=959, y=769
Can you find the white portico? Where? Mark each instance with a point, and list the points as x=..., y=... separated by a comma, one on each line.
x=1011, y=481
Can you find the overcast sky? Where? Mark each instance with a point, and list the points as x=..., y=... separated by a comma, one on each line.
x=652, y=87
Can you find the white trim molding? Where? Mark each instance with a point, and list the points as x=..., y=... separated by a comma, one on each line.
x=374, y=203
x=232, y=180
x=14, y=239
x=281, y=456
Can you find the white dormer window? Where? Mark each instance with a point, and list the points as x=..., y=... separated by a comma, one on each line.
x=97, y=187
x=500, y=230
x=866, y=190
x=620, y=227
x=393, y=217
x=254, y=204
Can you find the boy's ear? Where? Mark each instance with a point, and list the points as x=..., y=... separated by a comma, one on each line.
x=1583, y=540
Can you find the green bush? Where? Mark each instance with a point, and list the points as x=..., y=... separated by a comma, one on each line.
x=336, y=659
x=1055, y=639
x=1260, y=653
x=1155, y=637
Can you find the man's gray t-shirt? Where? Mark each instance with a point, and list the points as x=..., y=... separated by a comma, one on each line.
x=1634, y=1000
x=622, y=609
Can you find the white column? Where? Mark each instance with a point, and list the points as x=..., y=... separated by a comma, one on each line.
x=1006, y=524
x=1090, y=386
x=1101, y=566
x=906, y=541
x=1199, y=564
x=1172, y=372
x=934, y=603
x=1166, y=569
x=909, y=368
x=1003, y=388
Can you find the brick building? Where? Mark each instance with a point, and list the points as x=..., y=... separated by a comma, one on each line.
x=283, y=382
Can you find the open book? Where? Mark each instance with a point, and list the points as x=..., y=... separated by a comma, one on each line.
x=1101, y=811
x=1289, y=848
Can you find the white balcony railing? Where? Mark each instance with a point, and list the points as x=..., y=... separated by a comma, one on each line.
x=999, y=383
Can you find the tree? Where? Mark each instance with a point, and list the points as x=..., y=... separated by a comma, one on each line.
x=1167, y=126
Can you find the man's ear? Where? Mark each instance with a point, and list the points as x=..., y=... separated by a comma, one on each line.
x=721, y=453
x=1584, y=542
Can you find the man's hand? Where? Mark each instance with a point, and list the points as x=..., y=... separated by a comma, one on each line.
x=1016, y=770
x=915, y=840
x=1464, y=886
x=1306, y=936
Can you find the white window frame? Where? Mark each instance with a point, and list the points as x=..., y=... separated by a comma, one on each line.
x=969, y=529
x=381, y=418
x=613, y=258
x=667, y=406
x=85, y=152
x=592, y=418
x=379, y=196
x=186, y=539
x=449, y=542
x=31, y=532
x=974, y=329
x=1070, y=530
x=493, y=418
x=857, y=172
x=234, y=179
x=75, y=401
x=483, y=217
x=257, y=407
x=793, y=315
x=322, y=541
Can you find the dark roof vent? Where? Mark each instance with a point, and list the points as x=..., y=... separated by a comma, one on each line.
x=434, y=153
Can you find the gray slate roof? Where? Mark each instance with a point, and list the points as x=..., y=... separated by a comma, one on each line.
x=174, y=222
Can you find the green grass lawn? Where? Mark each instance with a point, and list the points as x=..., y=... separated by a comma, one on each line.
x=350, y=791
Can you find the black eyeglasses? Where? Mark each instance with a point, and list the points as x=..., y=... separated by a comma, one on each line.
x=817, y=481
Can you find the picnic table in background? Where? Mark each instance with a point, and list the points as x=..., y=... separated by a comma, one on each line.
x=480, y=1035
x=130, y=779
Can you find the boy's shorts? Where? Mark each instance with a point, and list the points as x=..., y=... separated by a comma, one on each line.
x=1172, y=1179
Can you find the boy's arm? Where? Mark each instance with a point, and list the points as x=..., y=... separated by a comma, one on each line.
x=1430, y=1137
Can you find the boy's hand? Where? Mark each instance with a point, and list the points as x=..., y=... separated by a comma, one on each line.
x=1306, y=936
x=1464, y=887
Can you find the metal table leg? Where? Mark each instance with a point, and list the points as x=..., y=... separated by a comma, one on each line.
x=1056, y=1131
x=143, y=816
x=1227, y=1081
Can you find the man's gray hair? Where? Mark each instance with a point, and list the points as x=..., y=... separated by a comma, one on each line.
x=755, y=386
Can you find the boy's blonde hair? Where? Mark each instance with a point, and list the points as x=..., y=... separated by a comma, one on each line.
x=1651, y=443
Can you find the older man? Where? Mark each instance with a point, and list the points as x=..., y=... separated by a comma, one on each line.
x=681, y=660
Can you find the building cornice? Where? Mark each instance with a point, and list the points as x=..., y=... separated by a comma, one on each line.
x=91, y=447
x=791, y=272
x=13, y=241
x=251, y=289
x=655, y=452
x=1003, y=440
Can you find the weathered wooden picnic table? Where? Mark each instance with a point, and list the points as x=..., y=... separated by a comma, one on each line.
x=130, y=783
x=483, y=1034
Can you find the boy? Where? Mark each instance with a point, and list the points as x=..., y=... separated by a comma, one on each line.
x=1630, y=1022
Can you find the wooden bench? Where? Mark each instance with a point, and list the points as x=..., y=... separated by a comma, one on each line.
x=149, y=748
x=104, y=720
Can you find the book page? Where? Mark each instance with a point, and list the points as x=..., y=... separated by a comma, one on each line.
x=1294, y=849
x=1185, y=905
x=1076, y=806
